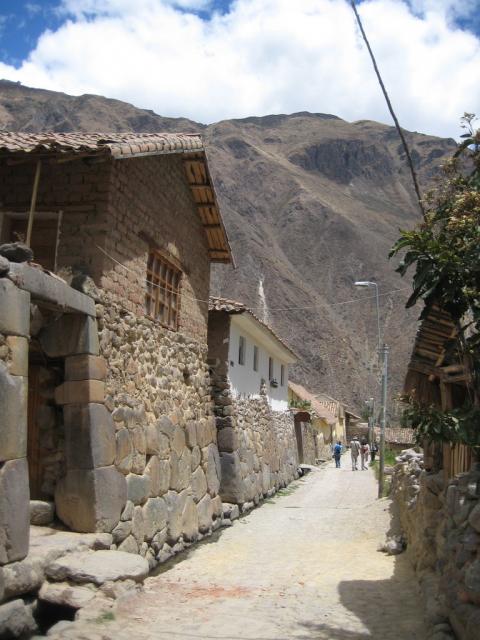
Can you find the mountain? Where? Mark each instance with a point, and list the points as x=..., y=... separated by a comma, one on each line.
x=311, y=203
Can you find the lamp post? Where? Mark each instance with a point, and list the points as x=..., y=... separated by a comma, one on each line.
x=383, y=358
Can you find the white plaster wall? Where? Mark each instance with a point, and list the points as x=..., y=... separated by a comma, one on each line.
x=245, y=381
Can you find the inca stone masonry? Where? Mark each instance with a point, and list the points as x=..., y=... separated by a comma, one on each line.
x=109, y=421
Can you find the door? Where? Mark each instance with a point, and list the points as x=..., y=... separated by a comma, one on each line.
x=299, y=437
x=35, y=400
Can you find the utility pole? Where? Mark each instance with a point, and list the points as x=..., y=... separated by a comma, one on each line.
x=383, y=421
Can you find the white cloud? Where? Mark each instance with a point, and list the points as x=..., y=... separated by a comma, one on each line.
x=264, y=56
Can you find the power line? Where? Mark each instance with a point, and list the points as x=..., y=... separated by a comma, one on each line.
x=390, y=108
x=278, y=309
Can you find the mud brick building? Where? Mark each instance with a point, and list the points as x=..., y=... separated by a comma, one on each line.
x=106, y=411
x=258, y=448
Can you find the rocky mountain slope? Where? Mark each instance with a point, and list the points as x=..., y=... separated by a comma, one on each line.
x=311, y=203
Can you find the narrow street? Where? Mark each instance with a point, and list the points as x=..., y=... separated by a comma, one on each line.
x=304, y=565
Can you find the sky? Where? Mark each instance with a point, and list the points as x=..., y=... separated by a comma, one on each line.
x=209, y=60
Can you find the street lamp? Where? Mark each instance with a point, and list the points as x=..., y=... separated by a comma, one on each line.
x=383, y=357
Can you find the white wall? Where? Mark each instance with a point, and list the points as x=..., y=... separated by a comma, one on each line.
x=244, y=380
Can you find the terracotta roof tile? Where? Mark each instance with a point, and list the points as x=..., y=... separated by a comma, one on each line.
x=318, y=408
x=118, y=144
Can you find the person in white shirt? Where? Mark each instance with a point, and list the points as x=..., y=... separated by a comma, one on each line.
x=364, y=454
x=355, y=448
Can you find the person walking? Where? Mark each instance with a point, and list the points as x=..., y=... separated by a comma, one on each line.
x=355, y=447
x=337, y=454
x=364, y=454
x=373, y=451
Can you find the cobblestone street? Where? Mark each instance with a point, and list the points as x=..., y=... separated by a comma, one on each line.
x=305, y=565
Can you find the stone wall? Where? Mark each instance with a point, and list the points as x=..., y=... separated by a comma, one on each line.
x=441, y=524
x=257, y=446
x=158, y=390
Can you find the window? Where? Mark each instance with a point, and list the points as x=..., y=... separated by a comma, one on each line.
x=270, y=369
x=255, y=357
x=241, y=350
x=282, y=375
x=162, y=300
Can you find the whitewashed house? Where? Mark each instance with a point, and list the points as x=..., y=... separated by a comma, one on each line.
x=248, y=352
x=255, y=429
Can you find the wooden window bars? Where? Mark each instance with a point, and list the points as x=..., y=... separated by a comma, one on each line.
x=162, y=299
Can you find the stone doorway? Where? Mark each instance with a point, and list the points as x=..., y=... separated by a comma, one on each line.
x=46, y=433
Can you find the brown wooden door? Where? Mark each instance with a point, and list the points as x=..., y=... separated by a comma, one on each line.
x=299, y=437
x=33, y=448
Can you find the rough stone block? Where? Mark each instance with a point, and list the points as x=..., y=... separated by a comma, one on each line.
x=85, y=367
x=205, y=513
x=190, y=520
x=154, y=516
x=98, y=567
x=41, y=512
x=227, y=440
x=175, y=503
x=180, y=470
x=159, y=472
x=14, y=510
x=22, y=578
x=138, y=488
x=14, y=309
x=121, y=531
x=66, y=595
x=198, y=484
x=13, y=422
x=129, y=545
x=91, y=500
x=213, y=470
x=16, y=620
x=89, y=436
x=232, y=487
x=138, y=525
x=80, y=392
x=69, y=335
x=18, y=365
x=178, y=440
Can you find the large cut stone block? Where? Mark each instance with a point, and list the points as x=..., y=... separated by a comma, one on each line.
x=91, y=500
x=232, y=487
x=69, y=335
x=14, y=510
x=14, y=309
x=80, y=392
x=98, y=567
x=89, y=436
x=16, y=620
x=18, y=347
x=13, y=420
x=85, y=367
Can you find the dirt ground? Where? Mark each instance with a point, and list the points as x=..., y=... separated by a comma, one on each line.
x=303, y=566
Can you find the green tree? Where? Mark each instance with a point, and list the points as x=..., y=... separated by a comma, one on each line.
x=444, y=251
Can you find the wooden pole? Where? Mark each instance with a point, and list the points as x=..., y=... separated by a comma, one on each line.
x=33, y=202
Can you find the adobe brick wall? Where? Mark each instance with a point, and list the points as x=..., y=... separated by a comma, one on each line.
x=150, y=195
x=107, y=205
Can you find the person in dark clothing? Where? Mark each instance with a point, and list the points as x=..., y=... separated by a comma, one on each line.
x=337, y=453
x=373, y=450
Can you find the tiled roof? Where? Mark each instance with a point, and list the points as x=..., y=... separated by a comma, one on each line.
x=318, y=408
x=134, y=145
x=117, y=144
x=234, y=307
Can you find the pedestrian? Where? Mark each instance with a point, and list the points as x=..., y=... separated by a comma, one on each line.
x=355, y=447
x=364, y=454
x=337, y=454
x=373, y=451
